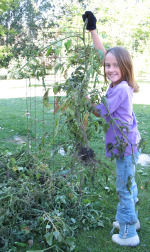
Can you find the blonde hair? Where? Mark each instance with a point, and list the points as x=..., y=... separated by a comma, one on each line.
x=125, y=64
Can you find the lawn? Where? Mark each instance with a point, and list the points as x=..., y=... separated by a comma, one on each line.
x=92, y=191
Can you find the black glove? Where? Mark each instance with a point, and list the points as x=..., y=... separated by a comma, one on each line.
x=91, y=25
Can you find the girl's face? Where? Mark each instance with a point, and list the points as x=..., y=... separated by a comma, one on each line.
x=112, y=69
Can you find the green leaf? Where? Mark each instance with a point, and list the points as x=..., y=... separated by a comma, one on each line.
x=68, y=44
x=61, y=198
x=38, y=175
x=95, y=65
x=91, y=71
x=55, y=90
x=49, y=238
x=73, y=220
x=46, y=98
x=37, y=75
x=59, y=46
x=15, y=168
x=48, y=52
x=13, y=162
x=20, y=244
x=57, y=235
x=147, y=184
x=105, y=127
x=142, y=144
x=104, y=100
x=56, y=126
x=71, y=242
x=58, y=67
x=100, y=223
x=100, y=54
x=70, y=111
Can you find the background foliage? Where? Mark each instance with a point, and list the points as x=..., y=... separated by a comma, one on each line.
x=23, y=22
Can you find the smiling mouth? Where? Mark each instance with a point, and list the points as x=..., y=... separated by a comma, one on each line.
x=112, y=75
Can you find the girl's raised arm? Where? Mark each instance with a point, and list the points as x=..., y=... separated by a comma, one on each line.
x=91, y=27
x=97, y=42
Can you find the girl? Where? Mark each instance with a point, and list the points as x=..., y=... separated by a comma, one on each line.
x=122, y=137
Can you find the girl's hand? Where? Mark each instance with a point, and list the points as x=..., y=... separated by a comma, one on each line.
x=91, y=25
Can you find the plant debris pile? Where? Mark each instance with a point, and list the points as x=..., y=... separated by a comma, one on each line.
x=38, y=206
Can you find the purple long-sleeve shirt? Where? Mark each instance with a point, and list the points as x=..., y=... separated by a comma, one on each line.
x=119, y=104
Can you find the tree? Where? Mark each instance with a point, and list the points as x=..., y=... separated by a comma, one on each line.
x=7, y=4
x=20, y=24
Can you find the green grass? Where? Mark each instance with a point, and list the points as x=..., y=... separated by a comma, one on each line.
x=143, y=117
x=14, y=121
x=26, y=118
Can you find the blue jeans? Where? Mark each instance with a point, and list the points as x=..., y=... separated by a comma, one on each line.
x=126, y=189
